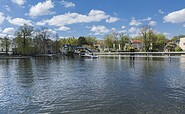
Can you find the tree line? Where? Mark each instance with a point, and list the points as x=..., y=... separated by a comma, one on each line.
x=150, y=41
x=28, y=41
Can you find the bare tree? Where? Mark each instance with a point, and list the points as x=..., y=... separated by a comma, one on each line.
x=42, y=35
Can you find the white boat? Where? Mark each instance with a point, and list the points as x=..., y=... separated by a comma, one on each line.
x=89, y=56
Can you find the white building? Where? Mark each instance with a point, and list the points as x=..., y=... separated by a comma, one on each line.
x=182, y=43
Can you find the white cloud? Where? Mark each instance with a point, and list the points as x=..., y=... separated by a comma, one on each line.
x=166, y=33
x=147, y=19
x=42, y=8
x=9, y=30
x=112, y=19
x=113, y=29
x=67, y=4
x=41, y=23
x=133, y=35
x=2, y=35
x=152, y=23
x=7, y=8
x=134, y=22
x=63, y=28
x=52, y=31
x=122, y=31
x=175, y=17
x=19, y=2
x=2, y=18
x=161, y=11
x=123, y=27
x=99, y=30
x=132, y=30
x=72, y=18
x=19, y=21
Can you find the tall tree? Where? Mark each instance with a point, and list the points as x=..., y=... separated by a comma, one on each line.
x=82, y=40
x=159, y=42
x=23, y=39
x=147, y=36
x=5, y=43
x=41, y=37
x=124, y=39
x=109, y=40
x=56, y=43
x=177, y=38
x=91, y=41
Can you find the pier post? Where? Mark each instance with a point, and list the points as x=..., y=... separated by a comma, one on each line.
x=147, y=55
x=169, y=56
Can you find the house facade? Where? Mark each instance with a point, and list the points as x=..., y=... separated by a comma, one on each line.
x=182, y=43
x=137, y=44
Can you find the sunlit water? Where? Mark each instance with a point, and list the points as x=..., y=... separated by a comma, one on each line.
x=106, y=85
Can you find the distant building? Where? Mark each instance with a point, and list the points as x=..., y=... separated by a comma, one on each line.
x=137, y=44
x=182, y=43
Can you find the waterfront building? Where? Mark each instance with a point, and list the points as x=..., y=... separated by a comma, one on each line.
x=137, y=44
x=182, y=43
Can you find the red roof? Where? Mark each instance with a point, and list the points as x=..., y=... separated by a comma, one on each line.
x=136, y=41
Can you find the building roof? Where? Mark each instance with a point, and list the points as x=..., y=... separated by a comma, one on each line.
x=136, y=41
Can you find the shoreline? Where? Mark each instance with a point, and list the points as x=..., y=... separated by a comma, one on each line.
x=14, y=57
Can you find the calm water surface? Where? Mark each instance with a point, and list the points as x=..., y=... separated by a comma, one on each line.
x=107, y=85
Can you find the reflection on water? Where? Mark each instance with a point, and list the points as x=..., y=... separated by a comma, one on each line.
x=110, y=84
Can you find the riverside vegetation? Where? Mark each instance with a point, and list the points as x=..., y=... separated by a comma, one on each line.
x=30, y=41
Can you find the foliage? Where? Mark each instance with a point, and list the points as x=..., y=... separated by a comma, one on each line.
x=40, y=39
x=91, y=41
x=170, y=46
x=109, y=40
x=124, y=41
x=70, y=40
x=23, y=39
x=56, y=44
x=81, y=40
x=159, y=42
x=177, y=38
x=147, y=36
x=5, y=43
x=178, y=48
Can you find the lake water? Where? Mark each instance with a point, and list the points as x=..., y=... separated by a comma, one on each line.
x=111, y=84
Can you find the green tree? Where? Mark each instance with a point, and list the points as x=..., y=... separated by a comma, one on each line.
x=109, y=40
x=124, y=39
x=159, y=42
x=147, y=36
x=23, y=39
x=82, y=40
x=5, y=43
x=71, y=40
x=170, y=46
x=178, y=48
x=177, y=38
x=91, y=41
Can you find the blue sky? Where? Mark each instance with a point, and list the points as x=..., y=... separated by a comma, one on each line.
x=94, y=17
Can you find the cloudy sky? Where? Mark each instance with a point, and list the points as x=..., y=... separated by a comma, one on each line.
x=94, y=17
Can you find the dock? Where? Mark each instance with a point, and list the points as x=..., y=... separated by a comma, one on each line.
x=144, y=54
